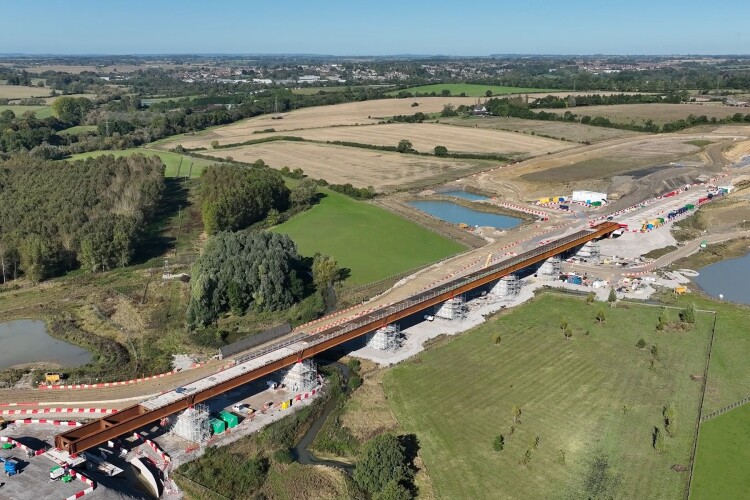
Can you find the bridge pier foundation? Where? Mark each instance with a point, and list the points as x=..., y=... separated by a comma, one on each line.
x=301, y=377
x=452, y=309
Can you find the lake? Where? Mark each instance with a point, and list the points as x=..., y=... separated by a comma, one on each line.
x=729, y=277
x=27, y=341
x=457, y=214
x=465, y=195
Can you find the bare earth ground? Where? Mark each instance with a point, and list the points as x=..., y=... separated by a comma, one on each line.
x=659, y=113
x=353, y=113
x=567, y=131
x=640, y=166
x=361, y=167
x=425, y=136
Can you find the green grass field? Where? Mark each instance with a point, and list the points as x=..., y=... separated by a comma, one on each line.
x=721, y=464
x=39, y=111
x=372, y=242
x=596, y=398
x=79, y=129
x=171, y=160
x=471, y=90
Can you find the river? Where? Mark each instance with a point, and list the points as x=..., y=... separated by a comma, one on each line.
x=457, y=214
x=300, y=452
x=730, y=278
x=26, y=341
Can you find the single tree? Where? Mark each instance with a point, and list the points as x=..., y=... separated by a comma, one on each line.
x=516, y=413
x=568, y=333
x=590, y=297
x=640, y=344
x=563, y=324
x=600, y=316
x=214, y=144
x=499, y=443
x=488, y=93
x=664, y=320
x=324, y=270
x=688, y=314
x=612, y=297
x=669, y=419
x=441, y=151
x=657, y=440
x=526, y=459
x=561, y=457
x=404, y=146
x=654, y=351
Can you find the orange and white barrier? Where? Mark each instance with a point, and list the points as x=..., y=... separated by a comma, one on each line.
x=68, y=423
x=112, y=384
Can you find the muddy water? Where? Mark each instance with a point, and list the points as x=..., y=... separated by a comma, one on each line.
x=26, y=341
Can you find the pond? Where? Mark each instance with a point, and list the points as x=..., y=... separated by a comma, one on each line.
x=465, y=195
x=729, y=278
x=457, y=214
x=27, y=341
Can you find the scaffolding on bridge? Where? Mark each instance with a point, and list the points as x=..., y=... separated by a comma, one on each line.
x=452, y=309
x=551, y=267
x=301, y=377
x=193, y=424
x=387, y=338
x=508, y=286
x=590, y=251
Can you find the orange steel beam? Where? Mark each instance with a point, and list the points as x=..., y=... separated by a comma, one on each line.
x=134, y=417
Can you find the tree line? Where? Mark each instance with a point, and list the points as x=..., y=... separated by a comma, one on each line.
x=55, y=217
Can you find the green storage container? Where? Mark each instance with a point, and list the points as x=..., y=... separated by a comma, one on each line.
x=596, y=204
x=690, y=206
x=218, y=426
x=230, y=418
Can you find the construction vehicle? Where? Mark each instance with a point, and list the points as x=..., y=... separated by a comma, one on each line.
x=56, y=472
x=52, y=377
x=11, y=466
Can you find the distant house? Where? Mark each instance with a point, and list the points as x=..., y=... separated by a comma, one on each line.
x=479, y=109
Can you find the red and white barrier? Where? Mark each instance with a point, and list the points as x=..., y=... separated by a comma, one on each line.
x=5, y=439
x=159, y=452
x=69, y=423
x=38, y=411
x=91, y=485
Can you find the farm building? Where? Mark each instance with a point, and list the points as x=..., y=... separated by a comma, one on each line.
x=589, y=196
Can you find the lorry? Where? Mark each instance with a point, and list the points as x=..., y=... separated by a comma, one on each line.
x=52, y=377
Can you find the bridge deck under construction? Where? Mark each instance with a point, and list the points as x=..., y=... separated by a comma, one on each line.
x=281, y=354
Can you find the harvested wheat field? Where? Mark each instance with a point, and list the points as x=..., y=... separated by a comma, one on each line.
x=425, y=136
x=385, y=171
x=658, y=113
x=352, y=113
x=566, y=131
x=19, y=92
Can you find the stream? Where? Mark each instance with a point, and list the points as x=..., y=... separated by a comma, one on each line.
x=300, y=452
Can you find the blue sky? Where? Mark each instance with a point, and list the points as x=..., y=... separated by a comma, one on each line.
x=356, y=27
